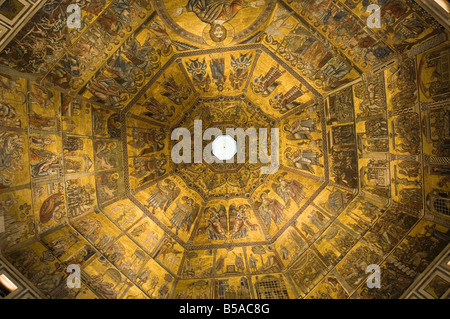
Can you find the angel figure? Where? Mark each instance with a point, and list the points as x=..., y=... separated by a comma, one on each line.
x=174, y=91
x=285, y=102
x=279, y=21
x=239, y=221
x=303, y=159
x=288, y=189
x=270, y=209
x=301, y=129
x=163, y=195
x=266, y=84
x=217, y=66
x=103, y=154
x=217, y=222
x=151, y=167
x=148, y=141
x=158, y=111
x=240, y=70
x=168, y=249
x=184, y=214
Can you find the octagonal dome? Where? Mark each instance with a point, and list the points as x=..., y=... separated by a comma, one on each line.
x=87, y=118
x=224, y=147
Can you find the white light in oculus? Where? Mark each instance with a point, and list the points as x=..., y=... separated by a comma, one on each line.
x=224, y=147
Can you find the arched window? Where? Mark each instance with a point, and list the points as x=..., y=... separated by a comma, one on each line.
x=271, y=287
x=439, y=203
x=6, y=286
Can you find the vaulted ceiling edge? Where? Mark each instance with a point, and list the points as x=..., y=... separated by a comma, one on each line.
x=88, y=176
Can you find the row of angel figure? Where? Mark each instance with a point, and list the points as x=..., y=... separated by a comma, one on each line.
x=149, y=165
x=263, y=84
x=186, y=210
x=177, y=93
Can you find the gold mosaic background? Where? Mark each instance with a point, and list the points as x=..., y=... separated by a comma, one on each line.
x=86, y=175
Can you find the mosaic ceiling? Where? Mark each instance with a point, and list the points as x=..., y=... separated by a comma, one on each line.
x=87, y=177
